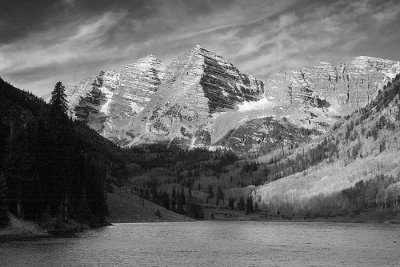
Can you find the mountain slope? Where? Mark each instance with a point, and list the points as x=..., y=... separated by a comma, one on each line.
x=109, y=101
x=47, y=161
x=126, y=207
x=310, y=98
x=357, y=151
x=197, y=87
x=202, y=100
x=344, y=87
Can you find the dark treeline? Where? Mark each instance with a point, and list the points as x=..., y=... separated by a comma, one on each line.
x=178, y=201
x=166, y=175
x=52, y=167
x=158, y=155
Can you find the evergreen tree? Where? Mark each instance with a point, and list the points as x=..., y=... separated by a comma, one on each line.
x=4, y=219
x=166, y=200
x=179, y=206
x=256, y=208
x=231, y=203
x=194, y=210
x=220, y=195
x=249, y=205
x=59, y=98
x=210, y=191
x=173, y=203
x=241, y=204
x=190, y=191
x=147, y=194
x=182, y=196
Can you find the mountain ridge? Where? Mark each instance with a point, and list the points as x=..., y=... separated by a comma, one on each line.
x=201, y=97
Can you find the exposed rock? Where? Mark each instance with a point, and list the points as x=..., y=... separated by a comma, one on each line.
x=344, y=88
x=90, y=99
x=196, y=86
x=309, y=98
x=109, y=101
x=264, y=134
x=201, y=99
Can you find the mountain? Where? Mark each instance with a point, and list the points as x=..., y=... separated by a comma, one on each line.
x=196, y=89
x=203, y=100
x=342, y=88
x=310, y=98
x=354, y=167
x=109, y=101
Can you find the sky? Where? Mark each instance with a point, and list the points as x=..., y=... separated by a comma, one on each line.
x=45, y=41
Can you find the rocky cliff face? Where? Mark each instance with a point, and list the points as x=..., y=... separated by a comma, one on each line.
x=201, y=99
x=109, y=101
x=309, y=99
x=197, y=86
x=90, y=99
x=343, y=88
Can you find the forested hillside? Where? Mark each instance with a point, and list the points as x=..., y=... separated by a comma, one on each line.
x=51, y=168
x=354, y=168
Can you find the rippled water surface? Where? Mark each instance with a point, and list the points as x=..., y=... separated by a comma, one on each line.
x=214, y=244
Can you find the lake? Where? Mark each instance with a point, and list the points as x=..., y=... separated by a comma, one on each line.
x=213, y=243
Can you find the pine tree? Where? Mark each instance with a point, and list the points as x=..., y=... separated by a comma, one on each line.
x=190, y=191
x=4, y=219
x=180, y=201
x=220, y=195
x=231, y=203
x=182, y=196
x=241, y=204
x=173, y=203
x=166, y=200
x=249, y=205
x=210, y=191
x=59, y=98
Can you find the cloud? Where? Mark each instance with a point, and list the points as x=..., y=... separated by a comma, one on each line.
x=69, y=2
x=74, y=39
x=45, y=49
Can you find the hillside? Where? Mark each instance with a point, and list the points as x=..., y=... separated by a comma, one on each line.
x=50, y=166
x=353, y=167
x=358, y=161
x=126, y=207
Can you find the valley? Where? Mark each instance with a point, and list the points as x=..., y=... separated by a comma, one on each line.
x=198, y=139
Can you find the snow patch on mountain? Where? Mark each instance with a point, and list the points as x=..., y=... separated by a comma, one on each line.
x=263, y=103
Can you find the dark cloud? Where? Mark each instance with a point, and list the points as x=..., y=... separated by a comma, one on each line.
x=44, y=41
x=19, y=17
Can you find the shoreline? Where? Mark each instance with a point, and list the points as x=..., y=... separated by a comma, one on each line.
x=372, y=217
x=31, y=231
x=327, y=220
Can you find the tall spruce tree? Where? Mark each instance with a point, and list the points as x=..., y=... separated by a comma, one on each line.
x=59, y=98
x=210, y=192
x=173, y=202
x=166, y=200
x=220, y=195
x=182, y=196
x=4, y=219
